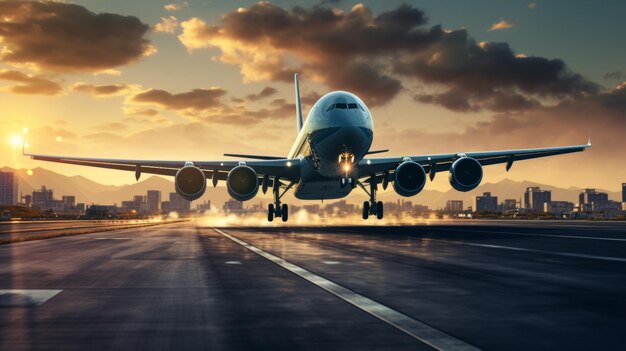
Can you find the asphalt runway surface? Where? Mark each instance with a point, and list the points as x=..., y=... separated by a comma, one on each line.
x=493, y=285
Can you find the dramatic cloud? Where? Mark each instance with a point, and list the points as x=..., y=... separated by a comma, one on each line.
x=175, y=7
x=615, y=75
x=64, y=37
x=503, y=24
x=196, y=99
x=29, y=84
x=101, y=90
x=372, y=54
x=266, y=92
x=167, y=25
x=206, y=105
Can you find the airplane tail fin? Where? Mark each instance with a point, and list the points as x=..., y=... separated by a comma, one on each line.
x=298, y=106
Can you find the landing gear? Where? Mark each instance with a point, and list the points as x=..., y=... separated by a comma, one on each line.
x=277, y=209
x=372, y=207
x=270, y=212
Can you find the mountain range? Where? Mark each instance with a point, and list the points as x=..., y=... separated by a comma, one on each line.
x=89, y=192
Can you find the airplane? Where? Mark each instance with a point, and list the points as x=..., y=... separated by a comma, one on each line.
x=329, y=158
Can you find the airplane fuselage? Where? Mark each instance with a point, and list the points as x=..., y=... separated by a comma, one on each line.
x=336, y=135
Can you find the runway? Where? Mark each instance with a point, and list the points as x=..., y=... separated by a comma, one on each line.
x=488, y=285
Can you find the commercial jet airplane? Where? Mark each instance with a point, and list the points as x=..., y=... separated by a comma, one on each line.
x=330, y=157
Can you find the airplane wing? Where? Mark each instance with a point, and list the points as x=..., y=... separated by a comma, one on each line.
x=442, y=162
x=288, y=169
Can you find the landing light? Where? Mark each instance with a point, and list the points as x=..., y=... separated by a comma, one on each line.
x=346, y=168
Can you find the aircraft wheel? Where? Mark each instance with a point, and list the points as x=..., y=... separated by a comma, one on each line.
x=379, y=210
x=366, y=209
x=285, y=212
x=343, y=182
x=270, y=212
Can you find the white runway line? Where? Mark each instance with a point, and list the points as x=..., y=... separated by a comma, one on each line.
x=536, y=234
x=23, y=298
x=416, y=329
x=514, y=248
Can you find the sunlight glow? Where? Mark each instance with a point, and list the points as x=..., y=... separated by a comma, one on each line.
x=59, y=139
x=16, y=140
x=29, y=172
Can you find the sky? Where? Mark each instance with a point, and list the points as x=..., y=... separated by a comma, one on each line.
x=192, y=80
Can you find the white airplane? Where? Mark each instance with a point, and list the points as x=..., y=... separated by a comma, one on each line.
x=329, y=158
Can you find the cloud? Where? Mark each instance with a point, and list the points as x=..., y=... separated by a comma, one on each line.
x=374, y=55
x=490, y=75
x=207, y=105
x=503, y=24
x=196, y=99
x=175, y=7
x=30, y=84
x=167, y=25
x=615, y=75
x=532, y=5
x=266, y=92
x=101, y=90
x=64, y=37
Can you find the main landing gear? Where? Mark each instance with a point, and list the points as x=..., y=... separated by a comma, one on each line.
x=277, y=209
x=372, y=207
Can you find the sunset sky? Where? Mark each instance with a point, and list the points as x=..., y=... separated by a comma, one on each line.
x=196, y=79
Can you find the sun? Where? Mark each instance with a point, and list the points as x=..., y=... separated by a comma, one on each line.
x=16, y=140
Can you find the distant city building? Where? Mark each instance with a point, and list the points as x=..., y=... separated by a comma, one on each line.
x=559, y=208
x=453, y=206
x=100, y=212
x=623, y=192
x=8, y=188
x=43, y=198
x=233, y=206
x=591, y=200
x=178, y=204
x=312, y=209
x=509, y=205
x=28, y=200
x=535, y=198
x=153, y=202
x=165, y=207
x=205, y=206
x=485, y=203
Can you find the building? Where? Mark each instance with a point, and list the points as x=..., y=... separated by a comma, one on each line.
x=591, y=200
x=43, y=198
x=485, y=203
x=8, y=188
x=623, y=192
x=178, y=204
x=454, y=206
x=233, y=205
x=101, y=212
x=559, y=208
x=509, y=205
x=535, y=198
x=153, y=202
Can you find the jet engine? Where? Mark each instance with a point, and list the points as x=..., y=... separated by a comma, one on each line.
x=242, y=183
x=190, y=182
x=465, y=174
x=409, y=178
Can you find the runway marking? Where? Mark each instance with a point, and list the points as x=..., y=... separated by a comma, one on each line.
x=232, y=262
x=25, y=298
x=536, y=234
x=514, y=248
x=331, y=262
x=414, y=328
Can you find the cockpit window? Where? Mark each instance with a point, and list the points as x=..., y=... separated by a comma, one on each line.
x=342, y=106
x=330, y=107
x=361, y=107
x=352, y=106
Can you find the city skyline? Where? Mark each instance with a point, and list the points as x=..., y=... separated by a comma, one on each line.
x=173, y=91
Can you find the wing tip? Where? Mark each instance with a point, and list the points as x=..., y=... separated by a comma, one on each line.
x=589, y=142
